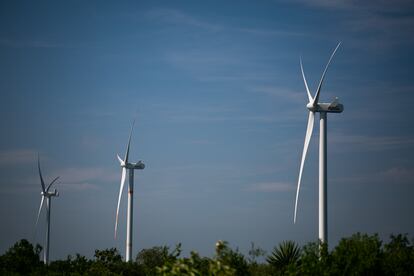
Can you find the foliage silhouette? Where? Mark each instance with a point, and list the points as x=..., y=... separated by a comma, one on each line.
x=157, y=256
x=360, y=254
x=286, y=255
x=22, y=258
x=398, y=258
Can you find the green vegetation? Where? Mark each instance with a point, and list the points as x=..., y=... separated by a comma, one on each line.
x=285, y=257
x=359, y=254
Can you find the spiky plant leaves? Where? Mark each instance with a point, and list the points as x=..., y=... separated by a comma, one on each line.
x=285, y=255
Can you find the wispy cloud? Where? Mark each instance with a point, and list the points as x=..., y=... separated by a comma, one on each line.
x=270, y=187
x=78, y=186
x=28, y=43
x=17, y=157
x=331, y=4
x=369, y=25
x=371, y=5
x=236, y=77
x=269, y=32
x=225, y=113
x=218, y=65
x=204, y=118
x=85, y=178
x=392, y=176
x=200, y=60
x=371, y=143
x=385, y=30
x=179, y=17
x=201, y=142
x=198, y=113
x=399, y=175
x=71, y=179
x=282, y=93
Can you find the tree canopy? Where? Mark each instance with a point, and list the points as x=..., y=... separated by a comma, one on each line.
x=360, y=254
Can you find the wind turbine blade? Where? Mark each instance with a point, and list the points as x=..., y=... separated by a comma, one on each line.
x=306, y=84
x=308, y=136
x=120, y=159
x=119, y=197
x=129, y=142
x=38, y=213
x=316, y=99
x=50, y=185
x=40, y=174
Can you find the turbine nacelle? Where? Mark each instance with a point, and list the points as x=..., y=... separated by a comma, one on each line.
x=139, y=165
x=333, y=107
x=134, y=166
x=49, y=194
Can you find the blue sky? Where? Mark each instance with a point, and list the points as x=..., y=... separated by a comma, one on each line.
x=219, y=101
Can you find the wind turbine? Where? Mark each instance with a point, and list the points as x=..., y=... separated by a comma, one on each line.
x=126, y=165
x=322, y=108
x=48, y=195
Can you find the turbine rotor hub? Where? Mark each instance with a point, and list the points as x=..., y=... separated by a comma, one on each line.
x=311, y=107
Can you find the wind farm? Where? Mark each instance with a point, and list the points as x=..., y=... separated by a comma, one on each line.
x=245, y=161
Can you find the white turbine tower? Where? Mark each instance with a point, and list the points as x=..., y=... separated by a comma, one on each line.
x=126, y=165
x=48, y=195
x=322, y=108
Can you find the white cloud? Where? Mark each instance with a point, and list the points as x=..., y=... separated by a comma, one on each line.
x=78, y=186
x=270, y=187
x=179, y=17
x=372, y=143
x=392, y=176
x=85, y=178
x=282, y=93
x=355, y=5
x=73, y=179
x=369, y=25
x=201, y=142
x=385, y=31
x=202, y=60
x=267, y=32
x=204, y=118
x=399, y=175
x=28, y=44
x=17, y=156
x=223, y=113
